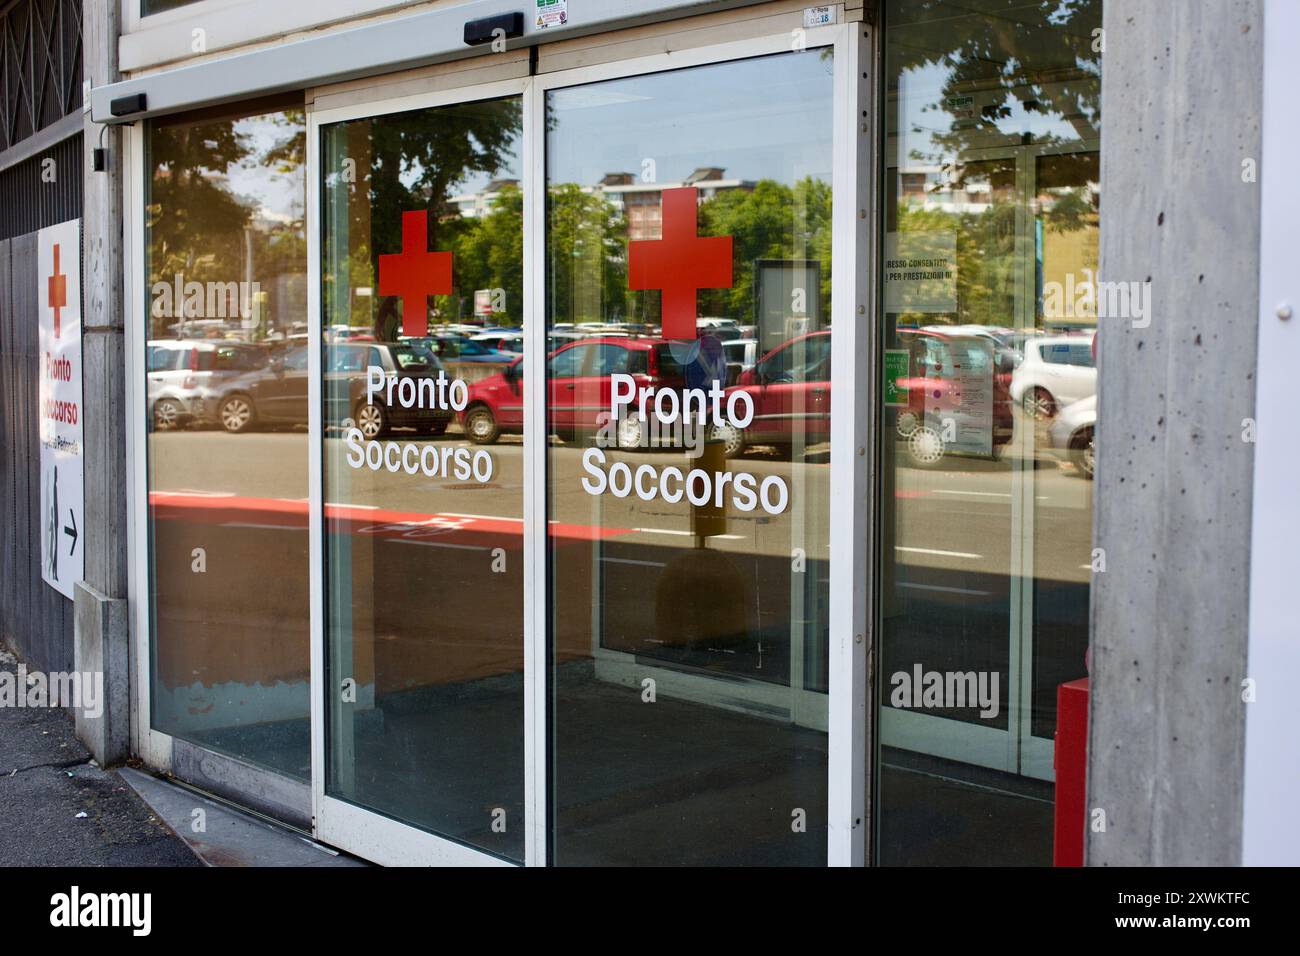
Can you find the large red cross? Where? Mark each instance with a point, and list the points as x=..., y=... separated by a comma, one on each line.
x=57, y=289
x=680, y=263
x=415, y=273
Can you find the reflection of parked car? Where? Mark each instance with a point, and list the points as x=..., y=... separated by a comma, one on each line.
x=1055, y=371
x=725, y=329
x=455, y=348
x=578, y=383
x=180, y=371
x=344, y=387
x=273, y=394
x=790, y=388
x=277, y=394
x=1074, y=434
x=501, y=340
x=741, y=354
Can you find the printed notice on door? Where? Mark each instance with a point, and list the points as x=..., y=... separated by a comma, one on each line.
x=959, y=398
x=921, y=272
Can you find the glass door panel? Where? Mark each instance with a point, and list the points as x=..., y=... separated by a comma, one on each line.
x=990, y=207
x=421, y=280
x=688, y=506
x=1066, y=201
x=227, y=445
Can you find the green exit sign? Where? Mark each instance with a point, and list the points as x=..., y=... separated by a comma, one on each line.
x=897, y=368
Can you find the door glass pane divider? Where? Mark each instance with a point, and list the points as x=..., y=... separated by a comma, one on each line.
x=853, y=313
x=152, y=745
x=315, y=496
x=536, y=579
x=1022, y=486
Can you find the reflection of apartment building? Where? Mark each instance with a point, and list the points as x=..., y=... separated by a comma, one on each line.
x=935, y=188
x=640, y=202
x=474, y=205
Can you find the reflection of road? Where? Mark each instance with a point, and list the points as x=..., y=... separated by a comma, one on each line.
x=958, y=516
x=963, y=520
x=946, y=598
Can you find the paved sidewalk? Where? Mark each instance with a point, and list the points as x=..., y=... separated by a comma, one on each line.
x=47, y=779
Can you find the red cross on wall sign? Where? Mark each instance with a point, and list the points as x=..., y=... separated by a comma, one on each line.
x=680, y=263
x=415, y=273
x=57, y=289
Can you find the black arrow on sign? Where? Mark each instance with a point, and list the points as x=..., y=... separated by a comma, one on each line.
x=72, y=532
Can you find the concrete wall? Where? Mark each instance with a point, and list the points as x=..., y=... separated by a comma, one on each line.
x=103, y=624
x=1181, y=101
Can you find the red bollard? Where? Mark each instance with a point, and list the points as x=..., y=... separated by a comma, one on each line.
x=1071, y=762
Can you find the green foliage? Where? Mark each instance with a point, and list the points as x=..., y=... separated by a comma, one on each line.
x=771, y=221
x=197, y=226
x=586, y=257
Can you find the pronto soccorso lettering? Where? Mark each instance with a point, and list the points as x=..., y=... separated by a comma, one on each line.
x=416, y=458
x=711, y=407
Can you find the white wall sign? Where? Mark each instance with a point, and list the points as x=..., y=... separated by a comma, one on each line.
x=551, y=13
x=58, y=278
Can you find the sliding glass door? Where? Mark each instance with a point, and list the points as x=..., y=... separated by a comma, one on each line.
x=421, y=545
x=570, y=382
x=688, y=268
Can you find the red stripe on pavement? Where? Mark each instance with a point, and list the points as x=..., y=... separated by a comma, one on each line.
x=292, y=513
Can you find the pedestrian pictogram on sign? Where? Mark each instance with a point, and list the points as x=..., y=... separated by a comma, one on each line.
x=681, y=263
x=415, y=273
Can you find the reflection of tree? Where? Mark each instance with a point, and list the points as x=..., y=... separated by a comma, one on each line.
x=414, y=161
x=586, y=240
x=490, y=253
x=771, y=221
x=196, y=224
x=1038, y=53
x=998, y=58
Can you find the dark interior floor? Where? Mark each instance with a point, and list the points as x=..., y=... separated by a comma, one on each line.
x=637, y=783
x=937, y=812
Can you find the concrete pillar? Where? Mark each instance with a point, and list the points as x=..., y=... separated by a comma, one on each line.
x=102, y=623
x=1181, y=107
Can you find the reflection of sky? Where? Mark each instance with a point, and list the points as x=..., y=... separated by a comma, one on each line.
x=763, y=118
x=923, y=118
x=278, y=195
x=476, y=182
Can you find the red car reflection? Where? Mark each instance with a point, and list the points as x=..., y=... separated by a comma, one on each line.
x=790, y=389
x=578, y=382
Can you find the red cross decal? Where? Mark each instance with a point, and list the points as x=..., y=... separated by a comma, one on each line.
x=681, y=263
x=57, y=290
x=415, y=273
